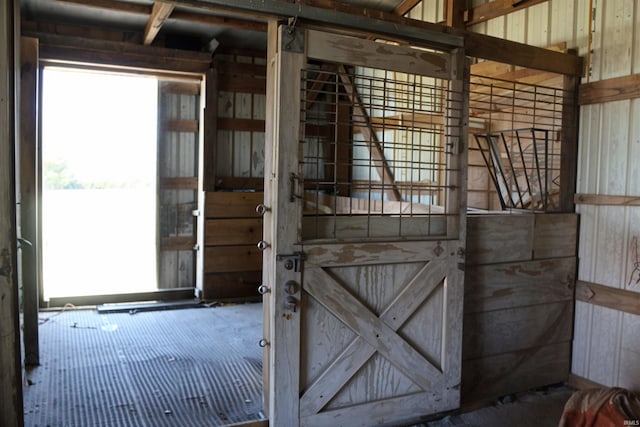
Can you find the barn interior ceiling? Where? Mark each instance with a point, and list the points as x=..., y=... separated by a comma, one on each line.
x=183, y=24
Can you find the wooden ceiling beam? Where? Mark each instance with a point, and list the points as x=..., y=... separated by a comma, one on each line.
x=497, y=8
x=405, y=7
x=179, y=15
x=159, y=15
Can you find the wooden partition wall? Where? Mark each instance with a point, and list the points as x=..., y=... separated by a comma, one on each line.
x=518, y=303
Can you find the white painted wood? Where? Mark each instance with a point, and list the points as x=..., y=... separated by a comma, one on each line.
x=349, y=50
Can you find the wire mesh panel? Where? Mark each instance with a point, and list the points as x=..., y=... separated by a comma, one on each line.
x=520, y=143
x=374, y=154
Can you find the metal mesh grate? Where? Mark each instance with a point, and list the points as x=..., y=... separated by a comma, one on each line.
x=520, y=140
x=373, y=145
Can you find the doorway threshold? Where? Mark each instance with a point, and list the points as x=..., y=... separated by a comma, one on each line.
x=136, y=307
x=162, y=295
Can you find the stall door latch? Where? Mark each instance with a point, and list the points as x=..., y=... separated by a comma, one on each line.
x=292, y=261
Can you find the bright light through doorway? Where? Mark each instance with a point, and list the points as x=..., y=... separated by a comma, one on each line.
x=99, y=139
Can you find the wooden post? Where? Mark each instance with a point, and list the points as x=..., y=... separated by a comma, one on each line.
x=569, y=143
x=455, y=13
x=29, y=195
x=210, y=129
x=11, y=413
x=282, y=225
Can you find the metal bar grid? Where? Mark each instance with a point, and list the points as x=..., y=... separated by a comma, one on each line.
x=373, y=146
x=520, y=141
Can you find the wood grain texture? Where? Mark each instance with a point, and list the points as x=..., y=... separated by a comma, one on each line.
x=341, y=254
x=513, y=329
x=606, y=200
x=349, y=50
x=160, y=12
x=519, y=284
x=495, y=9
x=240, y=285
x=346, y=364
x=223, y=232
x=372, y=329
x=360, y=226
x=55, y=47
x=606, y=296
x=11, y=411
x=499, y=238
x=225, y=259
x=225, y=204
x=555, y=236
x=494, y=376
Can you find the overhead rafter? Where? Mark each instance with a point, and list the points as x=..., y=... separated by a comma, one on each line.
x=178, y=15
x=159, y=14
x=497, y=8
x=405, y=7
x=387, y=24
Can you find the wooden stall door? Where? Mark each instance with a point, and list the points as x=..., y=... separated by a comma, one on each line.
x=179, y=112
x=364, y=327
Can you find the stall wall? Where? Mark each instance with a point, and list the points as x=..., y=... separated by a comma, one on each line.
x=606, y=344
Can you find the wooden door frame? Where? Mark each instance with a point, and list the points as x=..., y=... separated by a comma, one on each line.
x=289, y=48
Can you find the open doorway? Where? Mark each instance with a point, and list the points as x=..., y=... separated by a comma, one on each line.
x=121, y=186
x=99, y=173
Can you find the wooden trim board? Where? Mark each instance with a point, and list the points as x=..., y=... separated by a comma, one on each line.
x=606, y=296
x=604, y=200
x=616, y=89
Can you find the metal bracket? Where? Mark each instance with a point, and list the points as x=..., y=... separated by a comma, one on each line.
x=292, y=39
x=293, y=261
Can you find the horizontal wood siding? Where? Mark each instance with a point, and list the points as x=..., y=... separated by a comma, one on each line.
x=518, y=311
x=232, y=260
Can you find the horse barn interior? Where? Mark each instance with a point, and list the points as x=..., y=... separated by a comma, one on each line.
x=369, y=212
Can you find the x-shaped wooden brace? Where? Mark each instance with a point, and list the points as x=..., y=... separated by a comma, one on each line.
x=375, y=334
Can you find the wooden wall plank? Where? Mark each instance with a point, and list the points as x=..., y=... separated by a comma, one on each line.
x=252, y=125
x=499, y=238
x=606, y=296
x=494, y=376
x=606, y=200
x=555, y=235
x=222, y=232
x=238, y=285
x=57, y=48
x=506, y=331
x=229, y=204
x=242, y=84
x=227, y=259
x=615, y=89
x=518, y=284
x=513, y=329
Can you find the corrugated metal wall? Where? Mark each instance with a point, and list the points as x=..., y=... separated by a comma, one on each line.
x=606, y=346
x=607, y=342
